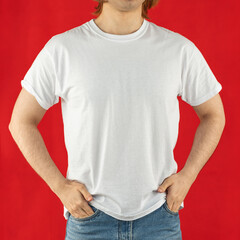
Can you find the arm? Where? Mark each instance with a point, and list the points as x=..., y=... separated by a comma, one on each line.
x=26, y=115
x=207, y=136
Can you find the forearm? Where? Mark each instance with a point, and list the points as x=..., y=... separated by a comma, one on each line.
x=205, y=141
x=32, y=146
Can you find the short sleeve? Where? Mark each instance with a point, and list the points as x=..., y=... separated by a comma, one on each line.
x=198, y=83
x=41, y=80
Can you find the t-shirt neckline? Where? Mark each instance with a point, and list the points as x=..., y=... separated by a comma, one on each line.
x=119, y=37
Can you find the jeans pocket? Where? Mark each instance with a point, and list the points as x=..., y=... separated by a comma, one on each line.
x=96, y=212
x=168, y=210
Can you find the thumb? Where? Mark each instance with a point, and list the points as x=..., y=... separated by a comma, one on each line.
x=82, y=188
x=86, y=194
x=163, y=187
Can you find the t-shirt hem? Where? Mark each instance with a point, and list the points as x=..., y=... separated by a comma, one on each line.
x=131, y=218
x=30, y=89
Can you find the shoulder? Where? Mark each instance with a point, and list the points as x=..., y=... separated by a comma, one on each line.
x=68, y=38
x=173, y=38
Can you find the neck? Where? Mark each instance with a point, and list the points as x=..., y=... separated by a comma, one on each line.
x=119, y=22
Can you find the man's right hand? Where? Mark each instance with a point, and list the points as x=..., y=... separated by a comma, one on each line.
x=74, y=196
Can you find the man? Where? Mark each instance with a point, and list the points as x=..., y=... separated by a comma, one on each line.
x=118, y=77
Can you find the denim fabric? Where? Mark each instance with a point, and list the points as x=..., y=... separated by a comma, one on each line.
x=161, y=224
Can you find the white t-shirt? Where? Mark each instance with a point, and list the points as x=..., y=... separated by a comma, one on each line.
x=120, y=108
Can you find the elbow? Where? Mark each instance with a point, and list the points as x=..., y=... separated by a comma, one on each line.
x=10, y=127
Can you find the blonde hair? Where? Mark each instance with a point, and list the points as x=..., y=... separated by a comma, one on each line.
x=147, y=4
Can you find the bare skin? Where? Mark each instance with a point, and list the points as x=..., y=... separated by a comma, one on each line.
x=125, y=16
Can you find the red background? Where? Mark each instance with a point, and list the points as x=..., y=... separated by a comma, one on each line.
x=29, y=209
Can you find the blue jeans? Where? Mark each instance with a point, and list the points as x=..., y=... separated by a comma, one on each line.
x=161, y=224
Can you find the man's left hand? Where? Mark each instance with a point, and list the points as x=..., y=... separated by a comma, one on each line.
x=177, y=186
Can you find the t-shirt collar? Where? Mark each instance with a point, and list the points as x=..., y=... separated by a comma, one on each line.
x=119, y=37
